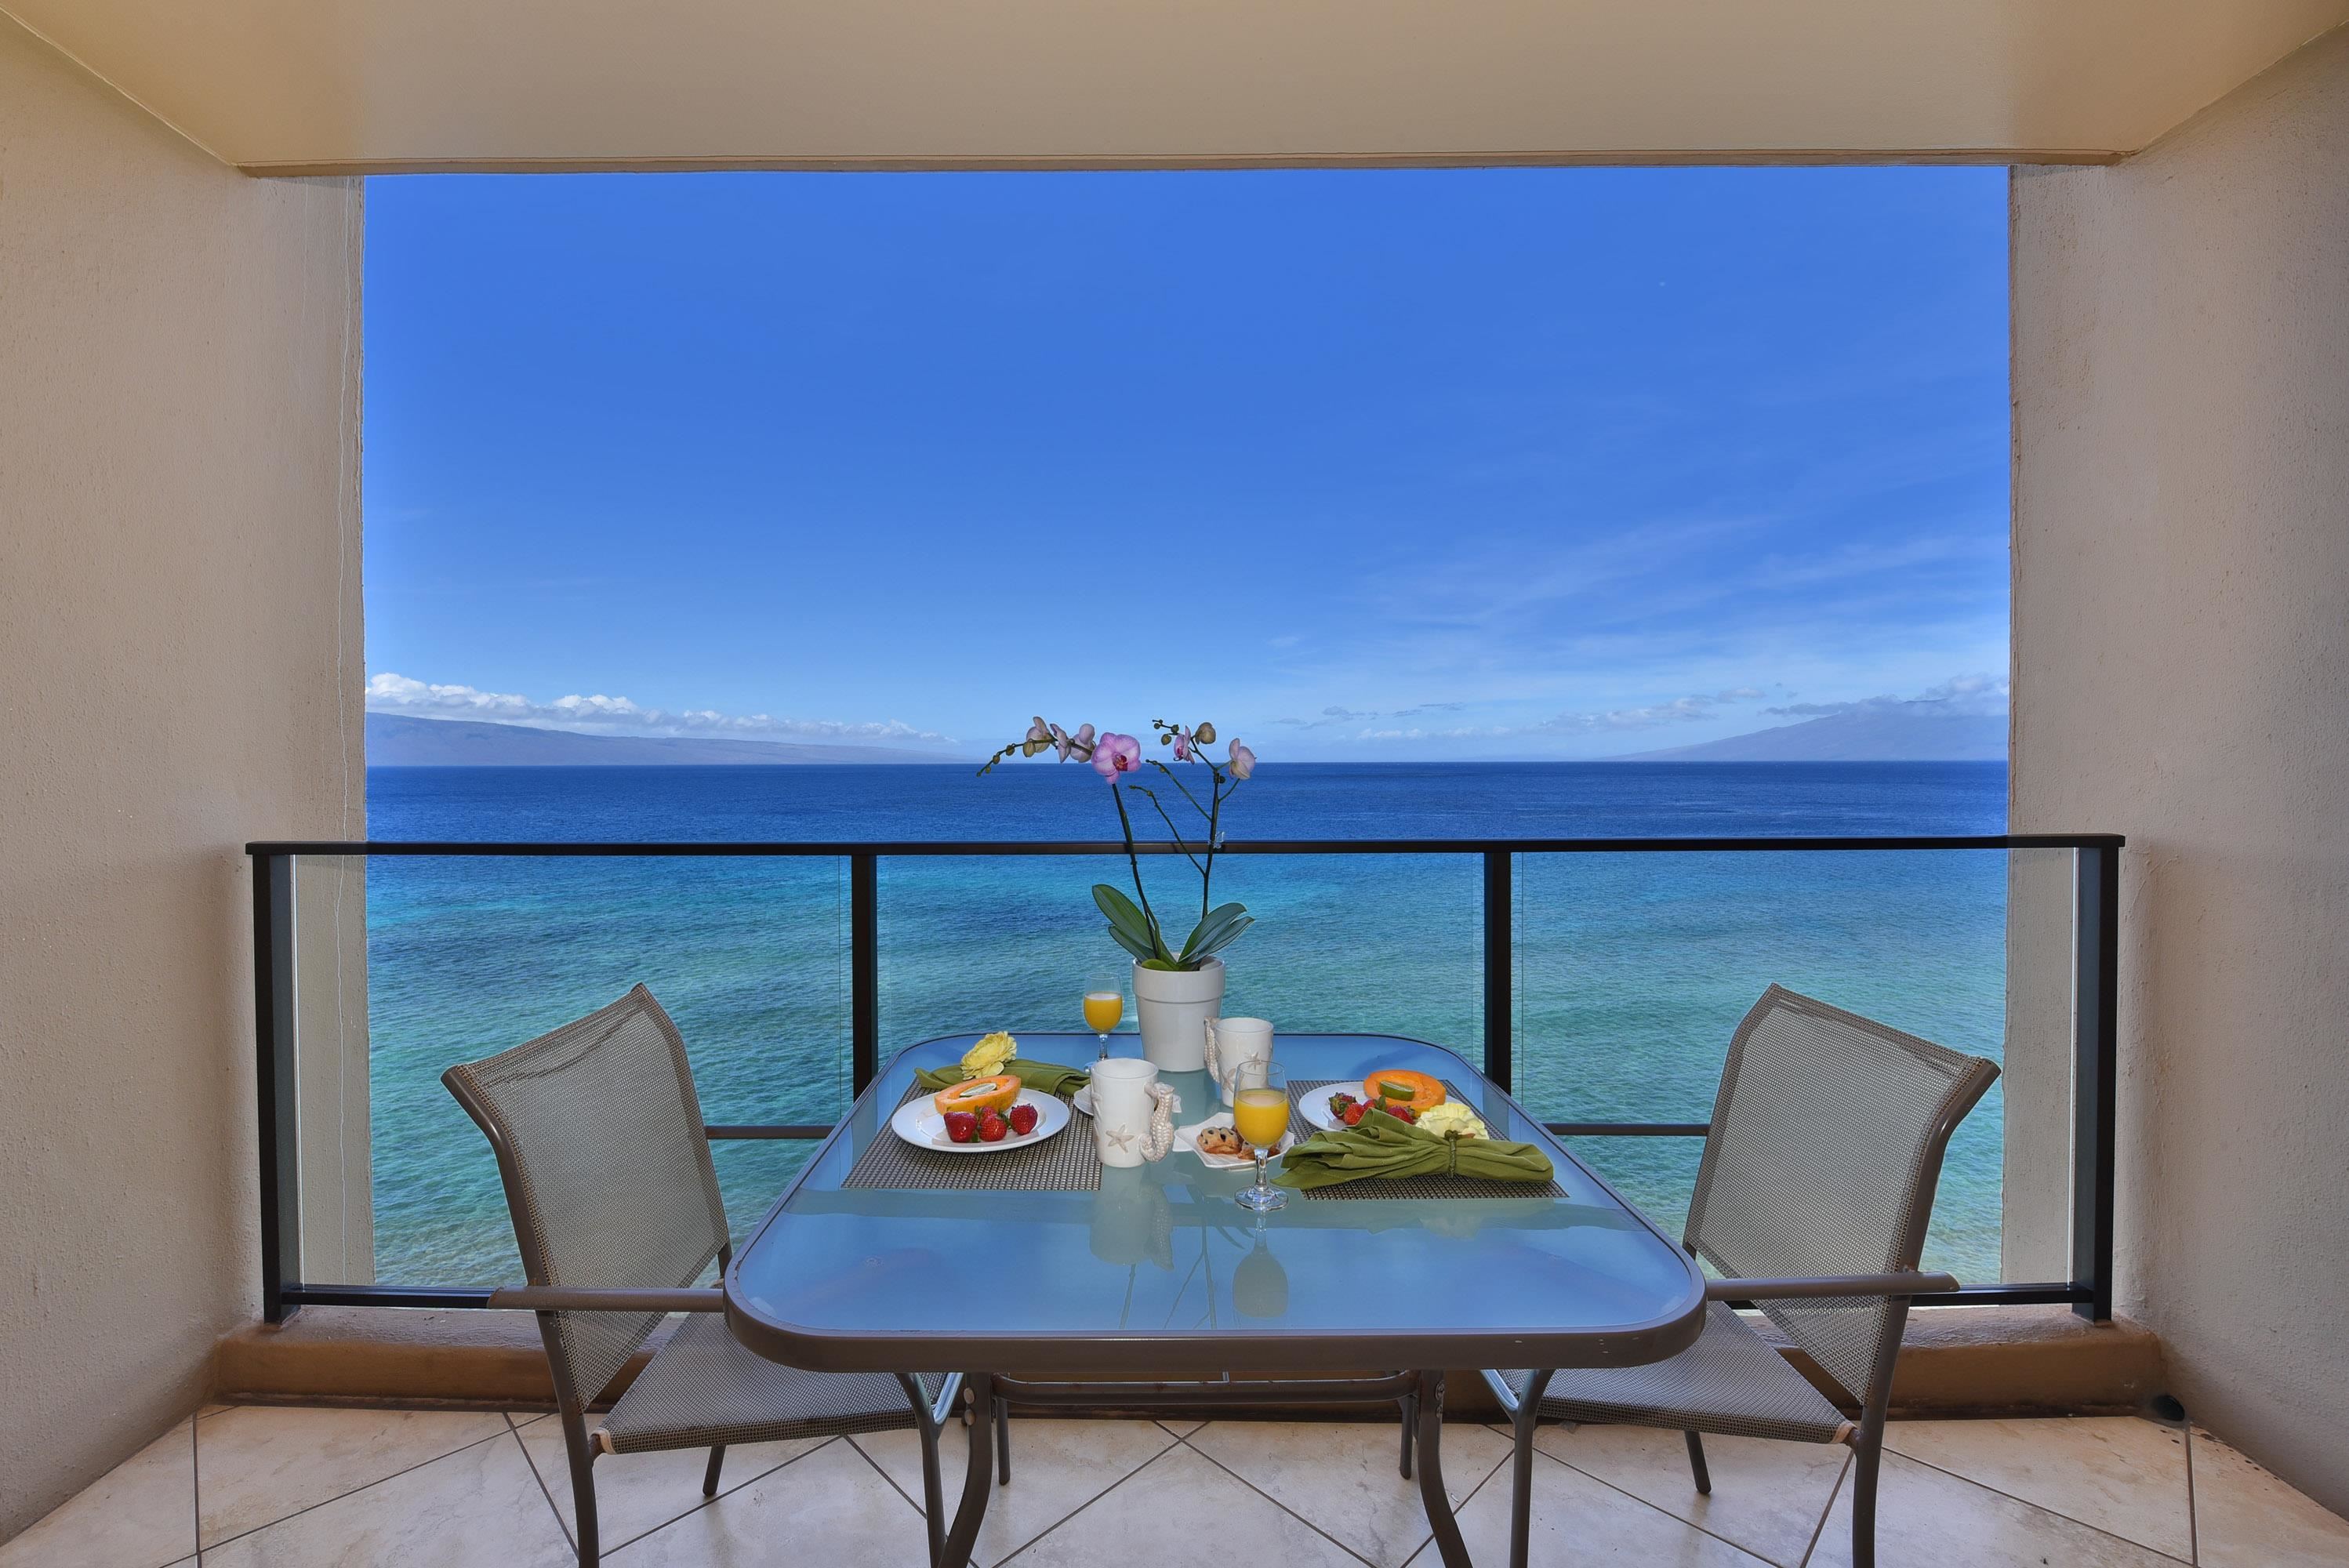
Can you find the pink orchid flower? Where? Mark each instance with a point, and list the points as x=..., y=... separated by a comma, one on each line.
x=1243, y=760
x=1117, y=754
x=1182, y=746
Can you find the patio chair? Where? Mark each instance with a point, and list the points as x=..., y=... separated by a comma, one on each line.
x=1814, y=1189
x=599, y=1139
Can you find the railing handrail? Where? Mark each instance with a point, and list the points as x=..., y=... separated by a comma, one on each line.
x=2094, y=1035
x=836, y=848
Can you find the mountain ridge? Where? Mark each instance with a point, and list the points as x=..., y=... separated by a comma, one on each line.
x=401, y=740
x=1885, y=732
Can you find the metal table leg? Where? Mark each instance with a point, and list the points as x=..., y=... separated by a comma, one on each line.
x=978, y=1480
x=1432, y=1495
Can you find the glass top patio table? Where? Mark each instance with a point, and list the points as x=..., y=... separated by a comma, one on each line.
x=1160, y=1274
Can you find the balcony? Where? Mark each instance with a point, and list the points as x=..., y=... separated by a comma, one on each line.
x=251, y=1248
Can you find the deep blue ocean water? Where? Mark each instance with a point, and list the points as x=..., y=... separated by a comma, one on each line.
x=1631, y=969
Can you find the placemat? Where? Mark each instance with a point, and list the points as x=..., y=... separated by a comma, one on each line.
x=1412, y=1186
x=1064, y=1163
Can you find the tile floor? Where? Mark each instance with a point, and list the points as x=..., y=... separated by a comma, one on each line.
x=252, y=1487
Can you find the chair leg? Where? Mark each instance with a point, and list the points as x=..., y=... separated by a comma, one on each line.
x=583, y=1487
x=1696, y=1464
x=1410, y=1403
x=1869, y=1456
x=1521, y=1422
x=1003, y=1442
x=926, y=1425
x=710, y=1476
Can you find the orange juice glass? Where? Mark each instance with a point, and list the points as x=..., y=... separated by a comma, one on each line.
x=1102, y=1011
x=1260, y=1116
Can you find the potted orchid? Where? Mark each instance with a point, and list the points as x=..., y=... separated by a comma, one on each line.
x=1175, y=990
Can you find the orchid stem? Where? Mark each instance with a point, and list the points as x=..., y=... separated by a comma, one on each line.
x=1157, y=938
x=1180, y=785
x=1207, y=871
x=1171, y=827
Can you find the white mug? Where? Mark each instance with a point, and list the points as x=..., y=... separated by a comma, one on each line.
x=1232, y=1042
x=1134, y=1118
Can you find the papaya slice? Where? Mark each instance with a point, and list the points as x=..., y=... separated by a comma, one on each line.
x=1415, y=1090
x=979, y=1094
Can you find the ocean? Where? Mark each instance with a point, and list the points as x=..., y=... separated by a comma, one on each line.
x=1631, y=969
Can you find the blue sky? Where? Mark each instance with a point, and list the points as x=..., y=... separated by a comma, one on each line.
x=1369, y=464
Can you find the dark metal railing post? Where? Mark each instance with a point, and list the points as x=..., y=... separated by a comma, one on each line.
x=1500, y=971
x=2095, y=1053
x=272, y=1016
x=863, y=969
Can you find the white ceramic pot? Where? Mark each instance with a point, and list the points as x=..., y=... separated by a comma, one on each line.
x=1175, y=1006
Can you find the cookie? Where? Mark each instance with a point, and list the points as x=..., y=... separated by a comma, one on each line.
x=1221, y=1141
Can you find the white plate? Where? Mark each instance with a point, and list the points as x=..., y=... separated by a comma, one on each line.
x=1187, y=1137
x=1083, y=1098
x=920, y=1121
x=1315, y=1107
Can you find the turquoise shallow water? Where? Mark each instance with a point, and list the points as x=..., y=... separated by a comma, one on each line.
x=1631, y=969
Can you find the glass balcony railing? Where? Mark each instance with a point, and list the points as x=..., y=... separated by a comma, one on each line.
x=1599, y=980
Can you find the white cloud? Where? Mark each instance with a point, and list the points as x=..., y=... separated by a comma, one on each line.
x=601, y=715
x=1680, y=710
x=1983, y=694
x=1335, y=715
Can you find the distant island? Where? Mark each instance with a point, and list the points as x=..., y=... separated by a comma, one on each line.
x=1885, y=732
x=396, y=740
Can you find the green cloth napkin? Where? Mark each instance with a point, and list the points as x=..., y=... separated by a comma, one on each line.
x=1386, y=1146
x=1047, y=1077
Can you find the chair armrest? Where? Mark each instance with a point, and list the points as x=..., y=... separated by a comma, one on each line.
x=606, y=1298
x=1829, y=1285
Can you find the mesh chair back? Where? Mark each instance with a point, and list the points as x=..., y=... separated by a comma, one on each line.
x=599, y=1137
x=1825, y=1148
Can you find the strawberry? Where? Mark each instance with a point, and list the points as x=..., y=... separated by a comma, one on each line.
x=991, y=1127
x=962, y=1126
x=1022, y=1118
x=1352, y=1114
x=1402, y=1112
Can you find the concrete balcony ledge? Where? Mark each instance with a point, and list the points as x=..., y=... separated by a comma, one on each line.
x=1955, y=1361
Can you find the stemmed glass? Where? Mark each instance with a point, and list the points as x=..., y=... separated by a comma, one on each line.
x=1260, y=1116
x=1103, y=1007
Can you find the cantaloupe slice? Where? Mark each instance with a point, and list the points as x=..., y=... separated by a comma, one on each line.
x=1417, y=1090
x=981, y=1094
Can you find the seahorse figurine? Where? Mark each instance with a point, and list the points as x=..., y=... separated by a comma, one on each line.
x=1164, y=1106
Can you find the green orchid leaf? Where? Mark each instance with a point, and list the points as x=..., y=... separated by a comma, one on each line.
x=1222, y=939
x=1135, y=932
x=1123, y=913
x=1141, y=950
x=1215, y=925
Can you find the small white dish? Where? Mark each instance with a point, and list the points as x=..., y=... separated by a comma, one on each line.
x=1187, y=1137
x=1083, y=1098
x=920, y=1121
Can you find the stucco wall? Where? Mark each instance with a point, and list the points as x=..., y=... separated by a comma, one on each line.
x=180, y=670
x=2181, y=674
